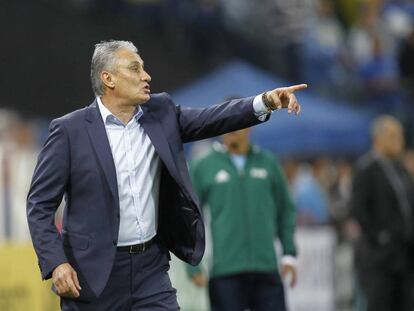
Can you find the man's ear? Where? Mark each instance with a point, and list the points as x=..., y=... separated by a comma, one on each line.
x=108, y=79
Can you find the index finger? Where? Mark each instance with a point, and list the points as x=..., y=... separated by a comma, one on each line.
x=296, y=87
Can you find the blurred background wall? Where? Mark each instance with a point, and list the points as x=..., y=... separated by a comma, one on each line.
x=356, y=56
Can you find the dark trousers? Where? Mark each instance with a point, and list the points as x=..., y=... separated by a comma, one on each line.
x=386, y=275
x=253, y=291
x=385, y=291
x=138, y=282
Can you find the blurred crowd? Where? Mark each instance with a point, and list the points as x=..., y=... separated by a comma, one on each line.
x=19, y=146
x=321, y=188
x=353, y=50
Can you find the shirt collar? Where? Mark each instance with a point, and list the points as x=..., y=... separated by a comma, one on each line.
x=105, y=112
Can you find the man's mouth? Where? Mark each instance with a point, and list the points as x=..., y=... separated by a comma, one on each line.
x=147, y=89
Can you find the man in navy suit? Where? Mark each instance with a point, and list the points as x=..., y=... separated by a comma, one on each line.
x=129, y=201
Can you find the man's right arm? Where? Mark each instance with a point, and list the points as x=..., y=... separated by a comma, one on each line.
x=46, y=191
x=201, y=123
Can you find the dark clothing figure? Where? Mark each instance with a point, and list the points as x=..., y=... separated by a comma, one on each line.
x=383, y=204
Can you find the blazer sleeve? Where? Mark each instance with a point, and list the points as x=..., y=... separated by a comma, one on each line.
x=45, y=195
x=201, y=123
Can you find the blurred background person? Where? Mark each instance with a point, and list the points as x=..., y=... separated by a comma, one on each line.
x=309, y=195
x=324, y=54
x=18, y=152
x=250, y=206
x=383, y=205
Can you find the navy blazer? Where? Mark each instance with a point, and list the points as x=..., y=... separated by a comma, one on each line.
x=76, y=161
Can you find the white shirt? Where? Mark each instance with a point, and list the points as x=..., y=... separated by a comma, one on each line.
x=138, y=172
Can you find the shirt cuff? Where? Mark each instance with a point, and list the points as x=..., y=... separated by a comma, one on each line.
x=260, y=110
x=289, y=260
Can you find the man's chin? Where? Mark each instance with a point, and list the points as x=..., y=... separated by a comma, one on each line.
x=143, y=99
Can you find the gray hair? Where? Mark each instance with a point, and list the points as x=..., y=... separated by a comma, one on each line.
x=380, y=123
x=104, y=59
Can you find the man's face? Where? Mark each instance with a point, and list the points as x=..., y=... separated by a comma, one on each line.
x=130, y=79
x=236, y=138
x=391, y=141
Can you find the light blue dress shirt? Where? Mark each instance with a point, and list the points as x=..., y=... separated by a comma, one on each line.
x=138, y=173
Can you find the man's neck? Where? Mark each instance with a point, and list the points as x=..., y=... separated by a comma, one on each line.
x=123, y=110
x=239, y=149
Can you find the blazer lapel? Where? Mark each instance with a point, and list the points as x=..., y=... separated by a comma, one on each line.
x=99, y=139
x=152, y=126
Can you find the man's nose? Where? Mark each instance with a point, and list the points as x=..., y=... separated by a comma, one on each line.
x=146, y=77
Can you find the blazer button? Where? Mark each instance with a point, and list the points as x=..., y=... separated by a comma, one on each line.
x=114, y=241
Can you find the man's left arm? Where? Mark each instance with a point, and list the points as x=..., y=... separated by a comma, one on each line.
x=201, y=123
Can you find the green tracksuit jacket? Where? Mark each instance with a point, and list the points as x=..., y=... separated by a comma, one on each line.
x=248, y=210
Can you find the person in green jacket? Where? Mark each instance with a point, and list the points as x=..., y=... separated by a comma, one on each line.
x=245, y=191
